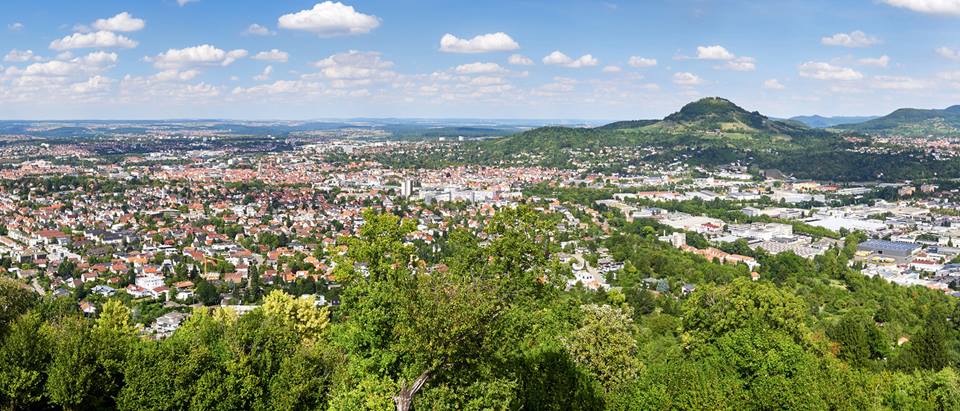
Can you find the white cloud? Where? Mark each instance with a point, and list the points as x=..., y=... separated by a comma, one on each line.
x=479, y=68
x=176, y=75
x=949, y=53
x=329, y=19
x=265, y=75
x=686, y=79
x=272, y=55
x=520, y=60
x=612, y=69
x=258, y=30
x=559, y=59
x=640, y=62
x=15, y=26
x=93, y=84
x=740, y=64
x=483, y=43
x=51, y=68
x=281, y=87
x=98, y=58
x=17, y=56
x=99, y=39
x=355, y=65
x=950, y=7
x=881, y=61
x=773, y=84
x=827, y=71
x=184, y=2
x=731, y=61
x=853, y=39
x=198, y=55
x=714, y=53
x=898, y=83
x=121, y=22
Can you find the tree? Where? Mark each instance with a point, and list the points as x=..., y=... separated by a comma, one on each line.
x=714, y=311
x=207, y=293
x=301, y=314
x=72, y=377
x=929, y=349
x=860, y=340
x=24, y=355
x=15, y=300
x=605, y=345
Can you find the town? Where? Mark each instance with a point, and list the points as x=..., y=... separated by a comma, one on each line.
x=168, y=232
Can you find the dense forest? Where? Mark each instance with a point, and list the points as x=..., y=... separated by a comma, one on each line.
x=491, y=325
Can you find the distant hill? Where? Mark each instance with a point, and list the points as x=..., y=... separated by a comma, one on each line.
x=719, y=115
x=912, y=122
x=824, y=122
x=712, y=121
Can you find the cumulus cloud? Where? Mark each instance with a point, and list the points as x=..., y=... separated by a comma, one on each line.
x=483, y=43
x=640, y=62
x=740, y=64
x=121, y=22
x=731, y=61
x=93, y=84
x=479, y=68
x=826, y=71
x=881, y=61
x=196, y=56
x=98, y=39
x=265, y=75
x=176, y=75
x=15, y=26
x=612, y=69
x=298, y=87
x=686, y=79
x=329, y=19
x=714, y=53
x=184, y=2
x=853, y=39
x=258, y=30
x=559, y=59
x=773, y=84
x=944, y=7
x=949, y=53
x=272, y=55
x=98, y=58
x=17, y=56
x=520, y=60
x=354, y=65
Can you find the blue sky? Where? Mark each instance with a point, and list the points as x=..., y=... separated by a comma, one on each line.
x=559, y=59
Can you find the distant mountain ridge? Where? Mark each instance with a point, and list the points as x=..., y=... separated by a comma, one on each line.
x=912, y=122
x=818, y=121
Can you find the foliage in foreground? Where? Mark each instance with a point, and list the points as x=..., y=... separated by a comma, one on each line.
x=493, y=328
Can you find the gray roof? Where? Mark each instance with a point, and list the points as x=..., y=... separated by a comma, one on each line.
x=884, y=245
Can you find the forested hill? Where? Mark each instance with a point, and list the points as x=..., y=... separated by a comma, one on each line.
x=710, y=120
x=710, y=132
x=715, y=114
x=912, y=122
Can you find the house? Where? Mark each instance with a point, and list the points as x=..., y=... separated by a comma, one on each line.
x=87, y=308
x=149, y=282
x=104, y=290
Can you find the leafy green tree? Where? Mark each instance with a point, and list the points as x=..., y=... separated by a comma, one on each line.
x=606, y=345
x=859, y=338
x=15, y=300
x=24, y=355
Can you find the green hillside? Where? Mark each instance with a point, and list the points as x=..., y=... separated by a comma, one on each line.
x=912, y=122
